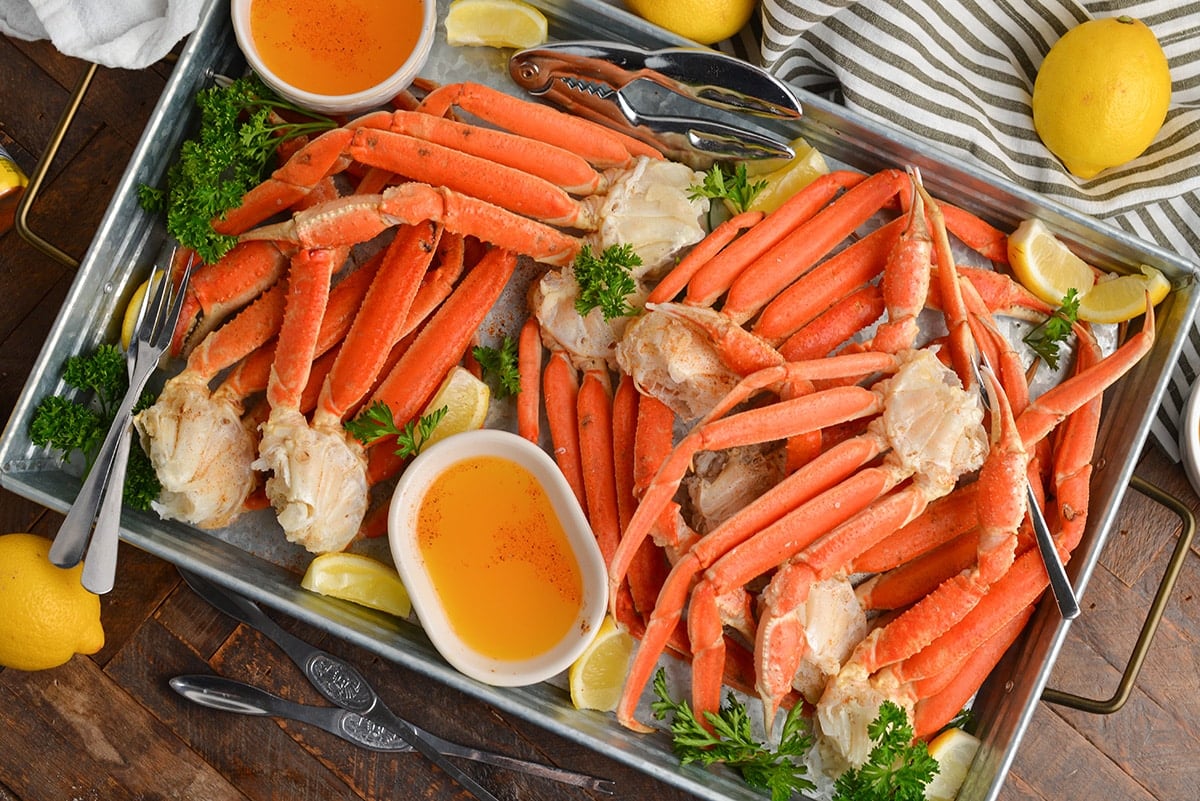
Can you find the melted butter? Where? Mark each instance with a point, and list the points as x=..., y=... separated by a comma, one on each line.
x=335, y=47
x=499, y=559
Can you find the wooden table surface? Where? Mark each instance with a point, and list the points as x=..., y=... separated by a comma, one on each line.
x=108, y=727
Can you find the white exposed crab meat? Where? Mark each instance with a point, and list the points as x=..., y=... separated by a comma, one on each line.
x=934, y=427
x=201, y=452
x=589, y=338
x=675, y=362
x=847, y=707
x=834, y=622
x=318, y=484
x=722, y=482
x=648, y=208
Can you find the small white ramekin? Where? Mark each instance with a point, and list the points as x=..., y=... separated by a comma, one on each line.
x=1189, y=437
x=402, y=537
x=353, y=103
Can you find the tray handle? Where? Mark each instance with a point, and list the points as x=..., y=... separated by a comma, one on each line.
x=21, y=218
x=1153, y=616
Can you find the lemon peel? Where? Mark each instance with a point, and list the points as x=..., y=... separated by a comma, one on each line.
x=598, y=675
x=1117, y=298
x=702, y=21
x=495, y=23
x=360, y=579
x=1101, y=94
x=954, y=749
x=132, y=309
x=787, y=178
x=46, y=616
x=466, y=400
x=1046, y=266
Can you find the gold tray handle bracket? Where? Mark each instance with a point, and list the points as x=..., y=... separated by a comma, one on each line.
x=21, y=218
x=1153, y=616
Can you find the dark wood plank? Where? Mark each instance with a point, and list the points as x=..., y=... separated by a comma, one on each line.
x=92, y=740
x=19, y=514
x=239, y=748
x=145, y=582
x=1056, y=762
x=249, y=656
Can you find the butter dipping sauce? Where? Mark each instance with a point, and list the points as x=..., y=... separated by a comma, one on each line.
x=335, y=56
x=502, y=567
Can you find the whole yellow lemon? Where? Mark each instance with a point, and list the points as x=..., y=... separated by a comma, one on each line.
x=703, y=21
x=46, y=616
x=1101, y=94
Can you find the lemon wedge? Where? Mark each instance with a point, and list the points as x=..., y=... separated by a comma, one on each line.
x=466, y=400
x=130, y=320
x=953, y=749
x=597, y=676
x=494, y=23
x=360, y=579
x=1122, y=297
x=796, y=173
x=1046, y=266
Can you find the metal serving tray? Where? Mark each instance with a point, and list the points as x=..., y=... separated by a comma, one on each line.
x=249, y=558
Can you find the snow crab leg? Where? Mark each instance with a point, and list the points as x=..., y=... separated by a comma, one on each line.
x=195, y=438
x=358, y=218
x=964, y=614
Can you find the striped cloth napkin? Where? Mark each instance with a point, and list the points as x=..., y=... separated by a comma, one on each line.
x=960, y=73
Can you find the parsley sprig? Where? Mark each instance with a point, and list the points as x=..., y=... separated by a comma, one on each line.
x=897, y=769
x=78, y=420
x=377, y=422
x=605, y=280
x=240, y=129
x=500, y=363
x=1045, y=338
x=732, y=743
x=735, y=187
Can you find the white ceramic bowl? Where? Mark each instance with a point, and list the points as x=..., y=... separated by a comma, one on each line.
x=402, y=536
x=1189, y=437
x=370, y=98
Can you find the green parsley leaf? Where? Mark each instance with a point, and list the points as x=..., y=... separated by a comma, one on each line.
x=1045, y=338
x=376, y=422
x=66, y=425
x=240, y=129
x=720, y=184
x=606, y=280
x=102, y=372
x=79, y=423
x=897, y=769
x=500, y=363
x=732, y=743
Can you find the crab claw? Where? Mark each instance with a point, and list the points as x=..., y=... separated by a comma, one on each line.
x=318, y=484
x=201, y=452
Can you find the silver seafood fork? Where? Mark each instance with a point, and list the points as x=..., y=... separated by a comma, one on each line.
x=1060, y=583
x=230, y=695
x=96, y=513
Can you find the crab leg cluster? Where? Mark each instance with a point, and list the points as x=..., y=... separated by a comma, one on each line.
x=893, y=470
x=781, y=447
x=366, y=264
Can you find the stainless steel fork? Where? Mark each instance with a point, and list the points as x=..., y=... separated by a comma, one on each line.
x=1060, y=583
x=96, y=513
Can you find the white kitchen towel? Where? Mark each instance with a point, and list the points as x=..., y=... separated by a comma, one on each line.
x=128, y=34
x=960, y=73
